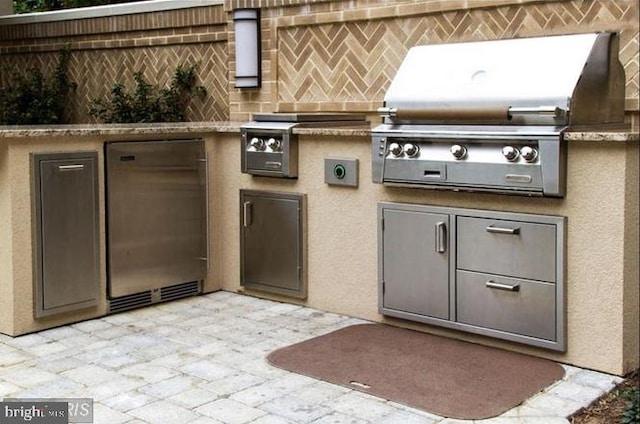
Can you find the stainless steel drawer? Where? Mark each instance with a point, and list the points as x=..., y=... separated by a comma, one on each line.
x=512, y=248
x=507, y=304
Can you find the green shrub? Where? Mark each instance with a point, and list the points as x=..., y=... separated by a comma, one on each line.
x=149, y=103
x=631, y=414
x=32, y=99
x=28, y=6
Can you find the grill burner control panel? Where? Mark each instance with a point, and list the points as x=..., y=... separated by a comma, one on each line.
x=270, y=152
x=511, y=153
x=265, y=144
x=530, y=166
x=269, y=146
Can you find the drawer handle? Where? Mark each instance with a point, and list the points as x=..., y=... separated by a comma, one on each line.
x=70, y=167
x=273, y=165
x=500, y=230
x=501, y=286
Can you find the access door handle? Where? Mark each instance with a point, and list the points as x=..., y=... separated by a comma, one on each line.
x=441, y=237
x=246, y=213
x=78, y=167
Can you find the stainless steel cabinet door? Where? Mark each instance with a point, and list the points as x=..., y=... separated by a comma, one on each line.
x=272, y=242
x=415, y=262
x=67, y=245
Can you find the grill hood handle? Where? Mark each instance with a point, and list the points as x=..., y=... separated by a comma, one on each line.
x=467, y=114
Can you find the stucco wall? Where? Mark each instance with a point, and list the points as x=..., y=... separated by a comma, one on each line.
x=631, y=295
x=6, y=269
x=602, y=244
x=342, y=241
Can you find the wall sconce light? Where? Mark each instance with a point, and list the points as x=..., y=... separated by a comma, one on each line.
x=247, y=30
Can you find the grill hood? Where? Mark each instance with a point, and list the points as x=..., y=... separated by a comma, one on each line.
x=568, y=80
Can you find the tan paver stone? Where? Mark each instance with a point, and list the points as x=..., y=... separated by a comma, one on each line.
x=105, y=415
x=193, y=398
x=294, y=409
x=7, y=389
x=172, y=386
x=149, y=373
x=163, y=412
x=405, y=417
x=26, y=377
x=229, y=411
x=127, y=401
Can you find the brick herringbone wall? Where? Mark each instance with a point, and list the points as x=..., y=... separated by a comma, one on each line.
x=93, y=69
x=348, y=64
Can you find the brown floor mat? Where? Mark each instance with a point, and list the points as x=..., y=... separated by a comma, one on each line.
x=442, y=376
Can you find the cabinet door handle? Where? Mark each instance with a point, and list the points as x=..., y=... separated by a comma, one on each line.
x=63, y=168
x=441, y=237
x=501, y=286
x=205, y=163
x=246, y=209
x=500, y=230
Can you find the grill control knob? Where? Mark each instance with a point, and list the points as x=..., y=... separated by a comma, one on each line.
x=411, y=150
x=274, y=144
x=510, y=153
x=395, y=149
x=257, y=143
x=529, y=153
x=458, y=151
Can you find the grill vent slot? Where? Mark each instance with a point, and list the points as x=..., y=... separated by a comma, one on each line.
x=149, y=297
x=178, y=291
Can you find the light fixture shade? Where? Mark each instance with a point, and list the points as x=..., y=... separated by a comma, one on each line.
x=247, y=31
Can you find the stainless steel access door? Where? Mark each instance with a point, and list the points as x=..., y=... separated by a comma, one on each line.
x=415, y=262
x=272, y=242
x=67, y=242
x=156, y=194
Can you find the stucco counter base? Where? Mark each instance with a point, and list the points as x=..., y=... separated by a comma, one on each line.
x=601, y=207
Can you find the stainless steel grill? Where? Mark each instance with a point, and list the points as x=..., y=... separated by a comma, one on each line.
x=490, y=116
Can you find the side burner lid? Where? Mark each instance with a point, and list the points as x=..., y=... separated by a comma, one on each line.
x=306, y=117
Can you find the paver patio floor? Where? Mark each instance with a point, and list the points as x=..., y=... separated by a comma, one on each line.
x=202, y=360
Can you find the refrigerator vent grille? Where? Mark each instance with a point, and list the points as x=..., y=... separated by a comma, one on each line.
x=131, y=301
x=179, y=291
x=138, y=300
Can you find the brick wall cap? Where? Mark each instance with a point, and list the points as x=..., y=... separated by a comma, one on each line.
x=106, y=10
